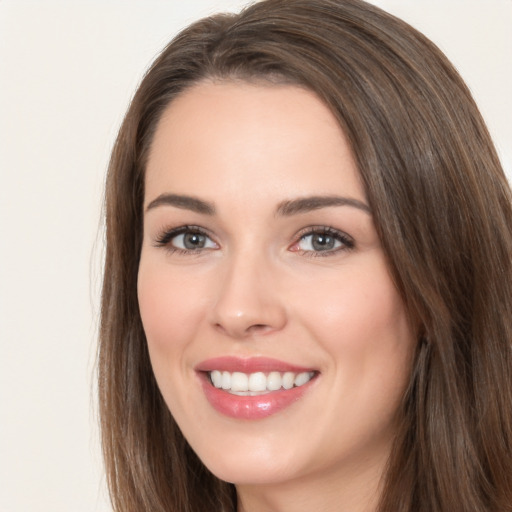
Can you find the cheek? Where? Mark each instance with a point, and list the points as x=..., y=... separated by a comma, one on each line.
x=360, y=320
x=169, y=306
x=362, y=326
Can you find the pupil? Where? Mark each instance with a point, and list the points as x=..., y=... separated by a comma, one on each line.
x=322, y=242
x=194, y=240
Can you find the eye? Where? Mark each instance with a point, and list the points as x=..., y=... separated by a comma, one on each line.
x=192, y=241
x=322, y=240
x=186, y=239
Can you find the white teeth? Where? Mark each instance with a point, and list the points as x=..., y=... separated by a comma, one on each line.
x=226, y=380
x=288, y=380
x=274, y=381
x=259, y=382
x=216, y=377
x=301, y=379
x=239, y=382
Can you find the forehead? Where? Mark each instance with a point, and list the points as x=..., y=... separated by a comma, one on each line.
x=250, y=138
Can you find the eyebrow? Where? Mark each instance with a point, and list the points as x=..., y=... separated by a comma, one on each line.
x=285, y=208
x=307, y=204
x=185, y=202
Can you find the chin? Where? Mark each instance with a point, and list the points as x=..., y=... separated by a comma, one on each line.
x=249, y=472
x=248, y=461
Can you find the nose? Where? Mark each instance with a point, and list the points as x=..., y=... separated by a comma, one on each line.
x=248, y=301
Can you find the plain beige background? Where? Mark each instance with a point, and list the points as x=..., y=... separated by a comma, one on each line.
x=67, y=72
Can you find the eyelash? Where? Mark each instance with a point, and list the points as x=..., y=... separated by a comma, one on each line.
x=165, y=238
x=347, y=243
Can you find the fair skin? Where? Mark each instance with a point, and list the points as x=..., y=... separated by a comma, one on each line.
x=236, y=265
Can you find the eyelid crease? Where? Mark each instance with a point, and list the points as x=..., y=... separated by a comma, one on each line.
x=328, y=230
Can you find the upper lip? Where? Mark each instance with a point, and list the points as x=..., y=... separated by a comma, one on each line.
x=249, y=365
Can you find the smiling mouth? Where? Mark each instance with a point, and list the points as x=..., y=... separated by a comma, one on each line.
x=258, y=383
x=253, y=388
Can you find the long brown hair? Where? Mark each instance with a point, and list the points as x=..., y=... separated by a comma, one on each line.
x=442, y=208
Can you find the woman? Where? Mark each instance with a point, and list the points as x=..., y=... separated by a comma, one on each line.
x=308, y=288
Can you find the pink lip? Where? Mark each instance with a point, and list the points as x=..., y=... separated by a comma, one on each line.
x=250, y=407
x=248, y=365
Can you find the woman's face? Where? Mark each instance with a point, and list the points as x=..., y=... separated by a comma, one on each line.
x=278, y=339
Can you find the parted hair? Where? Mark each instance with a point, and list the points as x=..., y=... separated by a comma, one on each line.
x=442, y=209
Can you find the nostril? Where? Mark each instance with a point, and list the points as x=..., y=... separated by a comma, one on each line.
x=259, y=328
x=242, y=331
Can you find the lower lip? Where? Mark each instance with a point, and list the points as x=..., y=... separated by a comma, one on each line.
x=251, y=407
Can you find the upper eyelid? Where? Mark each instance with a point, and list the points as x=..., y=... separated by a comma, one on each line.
x=165, y=235
x=315, y=229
